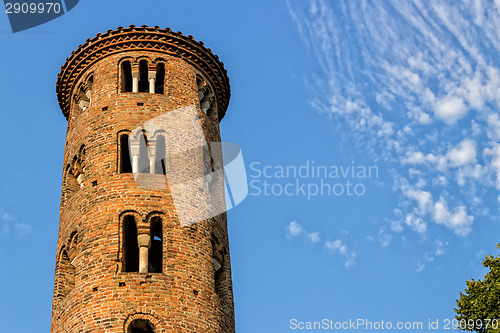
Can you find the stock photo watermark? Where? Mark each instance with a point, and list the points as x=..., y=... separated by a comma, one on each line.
x=310, y=179
x=24, y=15
x=363, y=324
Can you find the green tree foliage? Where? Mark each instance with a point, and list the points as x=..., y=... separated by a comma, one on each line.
x=478, y=308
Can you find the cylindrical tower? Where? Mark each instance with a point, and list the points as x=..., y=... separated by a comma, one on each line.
x=131, y=255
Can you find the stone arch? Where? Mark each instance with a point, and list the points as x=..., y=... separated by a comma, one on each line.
x=70, y=181
x=65, y=274
x=73, y=243
x=145, y=314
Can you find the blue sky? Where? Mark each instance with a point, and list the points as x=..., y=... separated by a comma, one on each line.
x=410, y=88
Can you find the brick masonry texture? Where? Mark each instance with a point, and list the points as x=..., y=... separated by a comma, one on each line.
x=92, y=293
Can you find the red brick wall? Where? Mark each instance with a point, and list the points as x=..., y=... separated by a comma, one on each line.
x=184, y=298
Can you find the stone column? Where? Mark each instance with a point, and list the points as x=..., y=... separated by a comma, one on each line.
x=205, y=104
x=152, y=157
x=83, y=105
x=134, y=150
x=152, y=79
x=89, y=96
x=135, y=78
x=144, y=241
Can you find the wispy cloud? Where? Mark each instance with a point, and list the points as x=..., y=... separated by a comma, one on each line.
x=416, y=85
x=295, y=230
x=9, y=225
x=338, y=247
x=439, y=249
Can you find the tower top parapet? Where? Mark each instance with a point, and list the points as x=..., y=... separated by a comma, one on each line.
x=144, y=38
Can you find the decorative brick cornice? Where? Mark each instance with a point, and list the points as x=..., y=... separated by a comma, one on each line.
x=143, y=38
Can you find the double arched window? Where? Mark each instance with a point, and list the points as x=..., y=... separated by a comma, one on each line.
x=142, y=76
x=137, y=154
x=142, y=245
x=83, y=93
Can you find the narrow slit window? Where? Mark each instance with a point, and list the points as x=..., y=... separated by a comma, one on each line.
x=143, y=76
x=130, y=246
x=160, y=165
x=125, y=161
x=160, y=78
x=126, y=76
x=156, y=250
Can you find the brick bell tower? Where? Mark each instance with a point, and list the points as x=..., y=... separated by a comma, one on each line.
x=126, y=263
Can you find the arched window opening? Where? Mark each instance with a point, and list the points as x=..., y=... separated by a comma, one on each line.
x=71, y=182
x=160, y=78
x=130, y=255
x=77, y=170
x=143, y=155
x=143, y=76
x=66, y=275
x=125, y=160
x=201, y=90
x=126, y=76
x=205, y=95
x=140, y=326
x=160, y=163
x=156, y=250
x=88, y=93
x=73, y=246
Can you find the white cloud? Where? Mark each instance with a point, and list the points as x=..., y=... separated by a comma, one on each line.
x=464, y=153
x=415, y=158
x=416, y=223
x=294, y=229
x=423, y=198
x=495, y=161
x=458, y=220
x=338, y=247
x=420, y=266
x=313, y=237
x=450, y=109
x=440, y=248
x=9, y=225
x=396, y=226
x=22, y=229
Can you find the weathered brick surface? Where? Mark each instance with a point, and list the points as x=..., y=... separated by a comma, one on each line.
x=91, y=292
